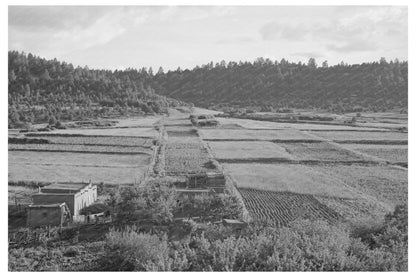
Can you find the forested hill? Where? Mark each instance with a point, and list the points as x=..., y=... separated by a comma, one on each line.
x=369, y=86
x=41, y=90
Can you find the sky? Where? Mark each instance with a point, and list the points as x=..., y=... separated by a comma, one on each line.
x=118, y=37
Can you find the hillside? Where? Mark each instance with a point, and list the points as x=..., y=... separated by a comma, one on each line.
x=368, y=86
x=41, y=90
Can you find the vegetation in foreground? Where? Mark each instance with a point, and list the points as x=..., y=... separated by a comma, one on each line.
x=145, y=237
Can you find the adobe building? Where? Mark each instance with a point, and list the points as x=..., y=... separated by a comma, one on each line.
x=52, y=215
x=75, y=195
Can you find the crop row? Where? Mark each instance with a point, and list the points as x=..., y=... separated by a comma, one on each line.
x=79, y=148
x=99, y=140
x=285, y=207
x=186, y=158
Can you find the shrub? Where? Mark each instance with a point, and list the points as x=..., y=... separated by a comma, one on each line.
x=154, y=202
x=132, y=251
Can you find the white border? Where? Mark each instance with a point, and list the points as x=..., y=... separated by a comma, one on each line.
x=3, y=118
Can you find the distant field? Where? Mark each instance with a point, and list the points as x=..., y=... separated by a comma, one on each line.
x=285, y=207
x=62, y=173
x=98, y=140
x=321, y=151
x=147, y=121
x=77, y=159
x=241, y=134
x=257, y=124
x=248, y=149
x=385, y=183
x=362, y=136
x=130, y=132
x=185, y=158
x=288, y=177
x=392, y=153
x=358, y=210
x=80, y=148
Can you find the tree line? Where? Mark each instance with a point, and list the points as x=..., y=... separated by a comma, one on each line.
x=271, y=85
x=41, y=90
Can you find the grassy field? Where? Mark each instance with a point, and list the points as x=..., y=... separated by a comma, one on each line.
x=321, y=151
x=77, y=159
x=186, y=158
x=285, y=207
x=392, y=153
x=248, y=149
x=241, y=134
x=98, y=140
x=287, y=177
x=362, y=136
x=129, y=132
x=256, y=124
x=385, y=183
x=80, y=148
x=72, y=173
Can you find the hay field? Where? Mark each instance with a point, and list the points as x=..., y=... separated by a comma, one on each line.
x=387, y=184
x=257, y=124
x=129, y=132
x=147, y=121
x=288, y=177
x=248, y=149
x=285, y=207
x=76, y=167
x=65, y=173
x=80, y=148
x=392, y=153
x=321, y=151
x=77, y=159
x=186, y=158
x=98, y=140
x=241, y=134
x=362, y=136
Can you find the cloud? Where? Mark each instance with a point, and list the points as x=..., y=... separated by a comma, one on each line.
x=353, y=46
x=276, y=30
x=358, y=29
x=314, y=55
x=53, y=29
x=235, y=40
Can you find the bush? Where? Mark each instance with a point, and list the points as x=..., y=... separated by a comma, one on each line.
x=131, y=251
x=153, y=202
x=94, y=209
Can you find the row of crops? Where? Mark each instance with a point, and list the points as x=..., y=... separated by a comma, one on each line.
x=79, y=148
x=285, y=207
x=97, y=140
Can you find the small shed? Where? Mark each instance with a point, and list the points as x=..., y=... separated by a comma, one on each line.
x=52, y=214
x=75, y=195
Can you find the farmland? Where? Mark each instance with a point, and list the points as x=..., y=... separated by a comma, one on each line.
x=249, y=135
x=114, y=155
x=97, y=140
x=321, y=151
x=80, y=148
x=282, y=171
x=248, y=149
x=145, y=132
x=343, y=168
x=285, y=207
x=60, y=166
x=362, y=136
x=392, y=153
x=300, y=179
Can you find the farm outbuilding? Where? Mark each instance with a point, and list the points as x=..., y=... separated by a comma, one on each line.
x=53, y=215
x=75, y=195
